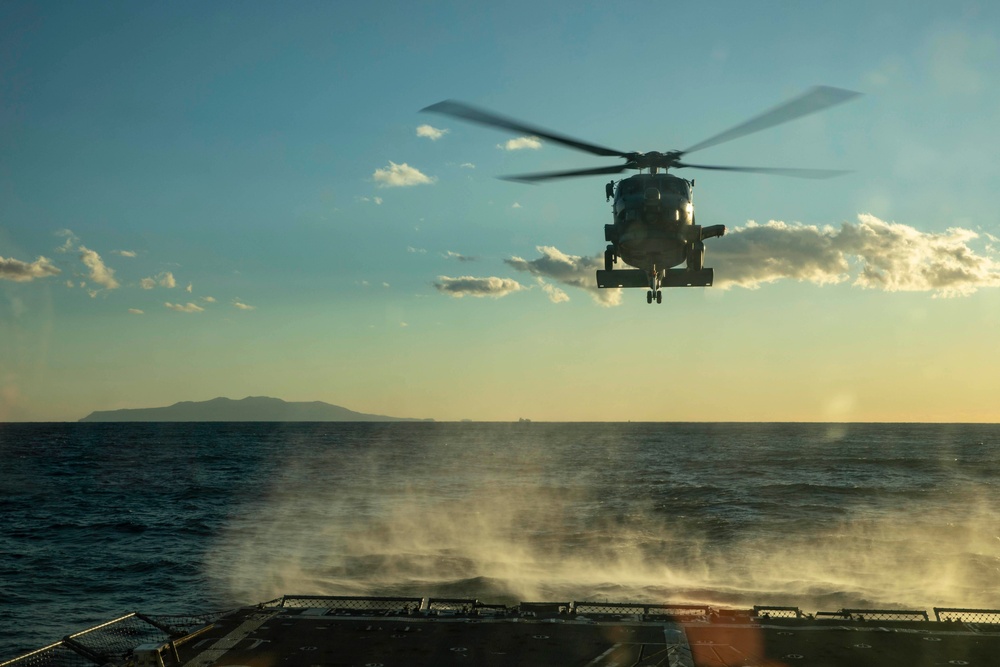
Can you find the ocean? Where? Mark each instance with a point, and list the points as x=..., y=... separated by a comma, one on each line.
x=97, y=520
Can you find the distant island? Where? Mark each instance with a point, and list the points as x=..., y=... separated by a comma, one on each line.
x=249, y=409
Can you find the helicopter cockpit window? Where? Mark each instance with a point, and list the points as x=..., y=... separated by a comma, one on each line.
x=672, y=184
x=631, y=186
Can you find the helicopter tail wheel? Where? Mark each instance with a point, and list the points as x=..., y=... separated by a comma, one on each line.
x=649, y=296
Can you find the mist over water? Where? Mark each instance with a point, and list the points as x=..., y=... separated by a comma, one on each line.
x=727, y=514
x=102, y=519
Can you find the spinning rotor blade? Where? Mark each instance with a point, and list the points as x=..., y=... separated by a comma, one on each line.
x=816, y=99
x=552, y=175
x=774, y=171
x=483, y=117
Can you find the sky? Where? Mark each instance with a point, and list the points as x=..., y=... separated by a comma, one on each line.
x=244, y=199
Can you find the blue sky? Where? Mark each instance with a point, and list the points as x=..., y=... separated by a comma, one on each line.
x=201, y=200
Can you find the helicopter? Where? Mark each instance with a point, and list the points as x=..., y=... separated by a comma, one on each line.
x=654, y=226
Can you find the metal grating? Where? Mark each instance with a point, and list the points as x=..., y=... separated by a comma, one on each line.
x=625, y=608
x=114, y=640
x=988, y=616
x=763, y=611
x=877, y=614
x=349, y=603
x=111, y=641
x=54, y=655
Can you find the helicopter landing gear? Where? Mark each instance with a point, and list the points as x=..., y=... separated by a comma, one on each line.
x=610, y=258
x=650, y=295
x=696, y=256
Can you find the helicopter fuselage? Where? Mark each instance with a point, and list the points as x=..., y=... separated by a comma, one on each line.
x=653, y=231
x=653, y=221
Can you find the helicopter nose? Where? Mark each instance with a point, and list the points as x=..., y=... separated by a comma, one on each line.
x=652, y=196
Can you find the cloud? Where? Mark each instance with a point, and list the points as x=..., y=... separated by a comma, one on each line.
x=71, y=240
x=184, y=308
x=431, y=133
x=569, y=270
x=871, y=254
x=22, y=272
x=399, y=176
x=555, y=294
x=208, y=299
x=478, y=287
x=460, y=257
x=165, y=279
x=125, y=253
x=515, y=205
x=136, y=311
x=376, y=200
x=189, y=288
x=99, y=273
x=467, y=165
x=242, y=306
x=419, y=251
x=521, y=143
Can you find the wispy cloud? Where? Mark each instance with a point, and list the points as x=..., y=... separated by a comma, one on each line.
x=374, y=200
x=478, y=287
x=555, y=294
x=521, y=143
x=242, y=306
x=399, y=176
x=184, y=308
x=460, y=257
x=568, y=270
x=165, y=279
x=70, y=242
x=418, y=251
x=467, y=165
x=22, y=272
x=871, y=253
x=99, y=272
x=136, y=311
x=515, y=205
x=430, y=132
x=125, y=253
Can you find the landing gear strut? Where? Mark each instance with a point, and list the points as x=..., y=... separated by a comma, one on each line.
x=654, y=287
x=610, y=258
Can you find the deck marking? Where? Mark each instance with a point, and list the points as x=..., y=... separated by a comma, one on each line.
x=235, y=636
x=678, y=648
x=598, y=659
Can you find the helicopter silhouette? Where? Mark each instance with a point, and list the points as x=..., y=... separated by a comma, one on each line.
x=654, y=226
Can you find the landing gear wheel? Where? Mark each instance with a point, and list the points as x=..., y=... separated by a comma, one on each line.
x=649, y=296
x=659, y=296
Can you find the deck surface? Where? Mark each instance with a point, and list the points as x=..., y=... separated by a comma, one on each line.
x=327, y=637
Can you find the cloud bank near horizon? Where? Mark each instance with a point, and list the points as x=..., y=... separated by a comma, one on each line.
x=870, y=253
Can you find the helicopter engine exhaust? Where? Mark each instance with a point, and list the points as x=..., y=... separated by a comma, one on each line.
x=712, y=231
